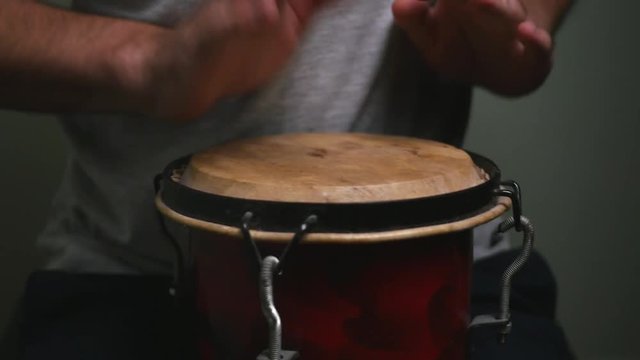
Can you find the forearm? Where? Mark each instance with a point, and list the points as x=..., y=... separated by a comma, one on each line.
x=547, y=14
x=54, y=60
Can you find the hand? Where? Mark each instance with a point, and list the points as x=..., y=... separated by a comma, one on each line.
x=491, y=43
x=228, y=47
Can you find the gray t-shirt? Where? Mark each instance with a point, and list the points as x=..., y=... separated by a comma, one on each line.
x=354, y=71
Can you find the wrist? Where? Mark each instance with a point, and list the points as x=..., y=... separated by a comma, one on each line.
x=135, y=68
x=164, y=76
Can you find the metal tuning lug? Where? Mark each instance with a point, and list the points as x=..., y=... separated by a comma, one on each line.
x=503, y=319
x=275, y=351
x=270, y=267
x=284, y=355
x=488, y=320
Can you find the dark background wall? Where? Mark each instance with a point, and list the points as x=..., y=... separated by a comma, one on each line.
x=572, y=145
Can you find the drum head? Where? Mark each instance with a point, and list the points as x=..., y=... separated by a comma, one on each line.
x=373, y=187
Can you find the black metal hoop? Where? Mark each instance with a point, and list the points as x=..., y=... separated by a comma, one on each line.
x=363, y=217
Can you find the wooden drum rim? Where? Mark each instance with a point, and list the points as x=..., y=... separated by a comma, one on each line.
x=502, y=205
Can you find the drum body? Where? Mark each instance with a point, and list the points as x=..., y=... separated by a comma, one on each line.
x=385, y=272
x=390, y=300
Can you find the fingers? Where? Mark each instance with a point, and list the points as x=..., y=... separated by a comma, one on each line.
x=253, y=14
x=292, y=21
x=535, y=37
x=233, y=15
x=537, y=49
x=483, y=40
x=410, y=13
x=302, y=8
x=267, y=10
x=512, y=10
x=416, y=19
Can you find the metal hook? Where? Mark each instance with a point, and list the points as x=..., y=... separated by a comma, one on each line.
x=269, y=267
x=503, y=319
x=246, y=235
x=513, y=192
x=179, y=265
x=306, y=226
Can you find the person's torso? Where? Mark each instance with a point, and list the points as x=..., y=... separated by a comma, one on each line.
x=354, y=71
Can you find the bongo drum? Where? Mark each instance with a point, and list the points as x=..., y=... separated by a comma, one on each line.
x=335, y=246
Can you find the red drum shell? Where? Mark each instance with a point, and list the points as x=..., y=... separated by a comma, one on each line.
x=392, y=300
